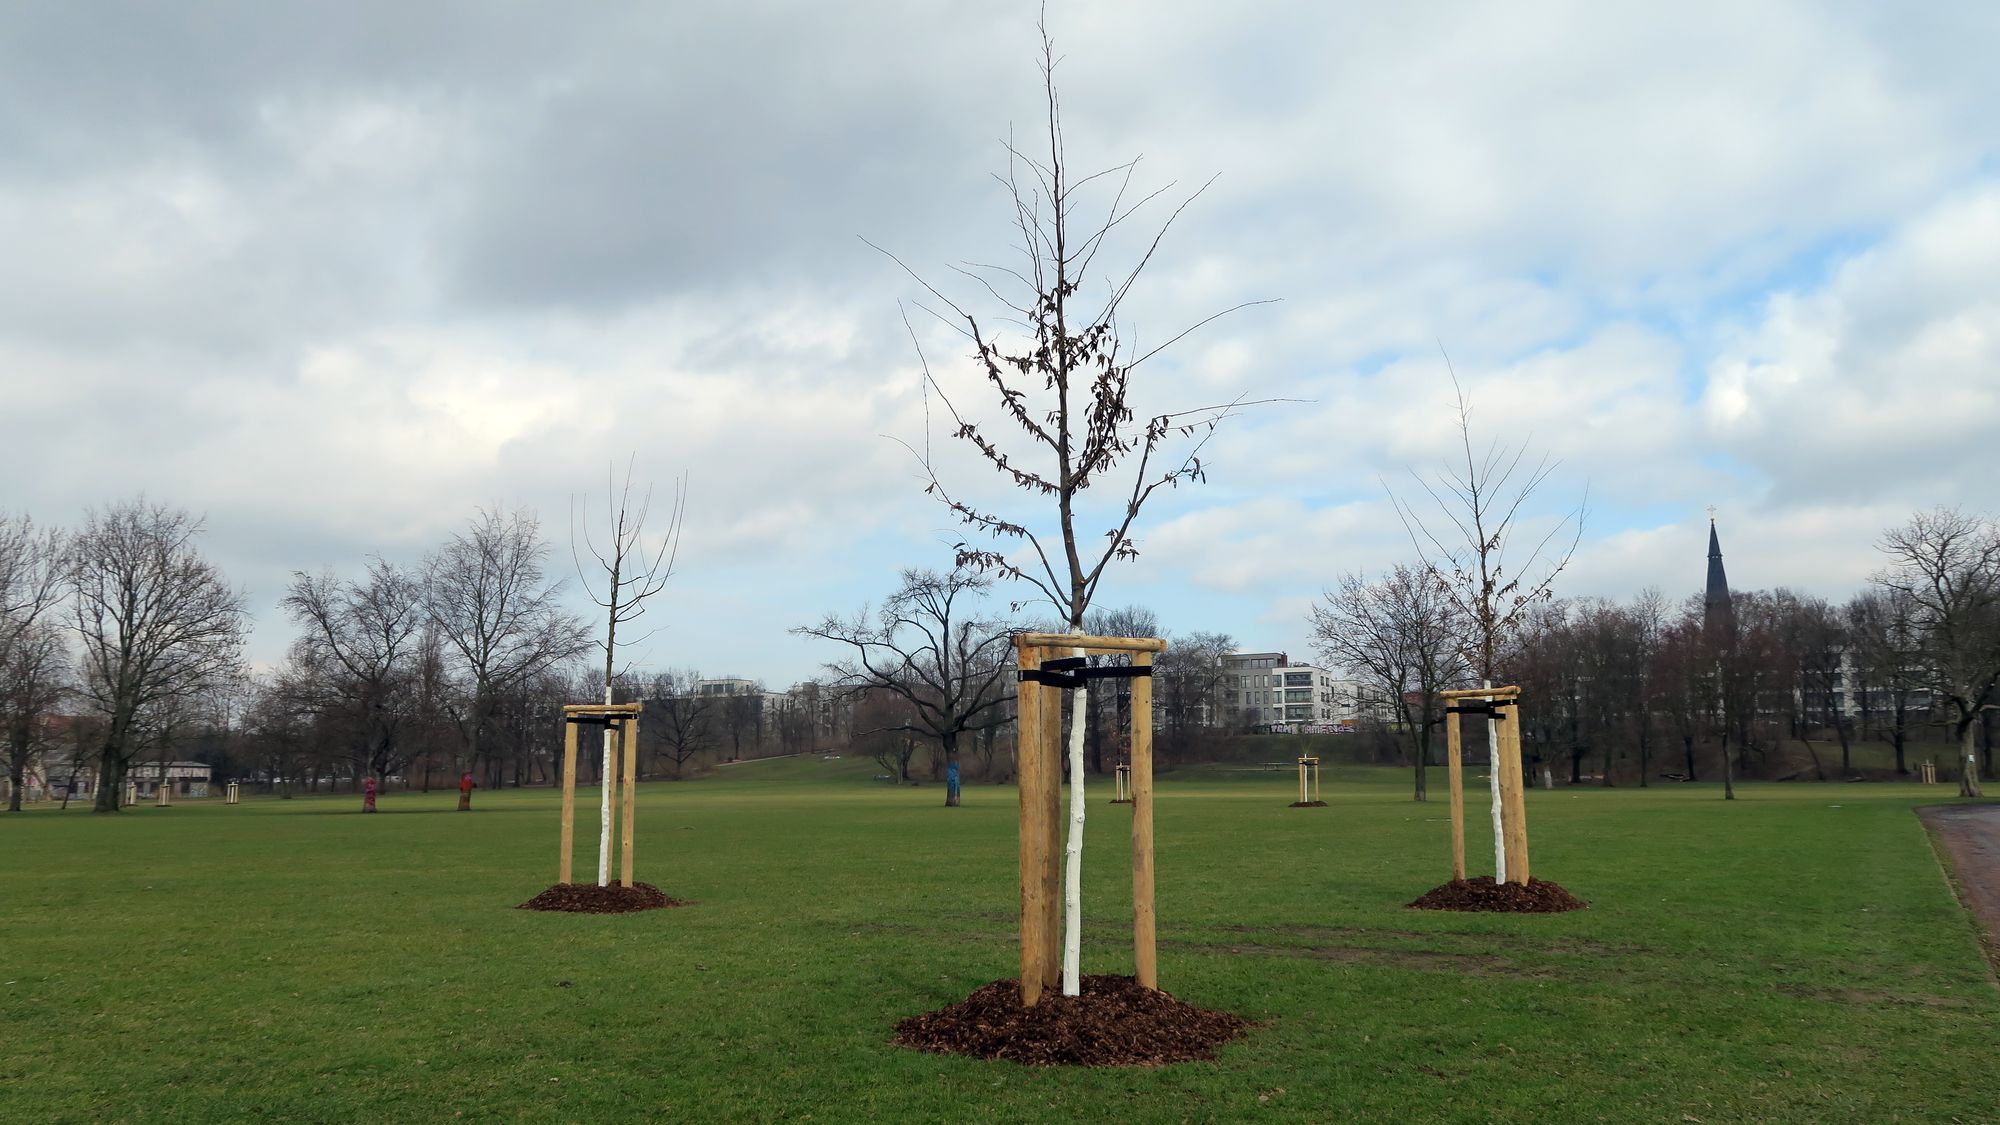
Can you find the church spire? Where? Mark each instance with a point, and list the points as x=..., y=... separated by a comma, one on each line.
x=1718, y=615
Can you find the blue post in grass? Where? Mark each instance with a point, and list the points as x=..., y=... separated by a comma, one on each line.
x=951, y=783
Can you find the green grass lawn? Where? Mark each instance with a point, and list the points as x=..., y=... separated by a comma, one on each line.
x=1795, y=955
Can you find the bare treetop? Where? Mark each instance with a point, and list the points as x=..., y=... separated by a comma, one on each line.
x=631, y=574
x=1064, y=380
x=1466, y=543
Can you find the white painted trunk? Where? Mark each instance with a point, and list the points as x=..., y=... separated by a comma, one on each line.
x=1072, y=963
x=1493, y=786
x=605, y=775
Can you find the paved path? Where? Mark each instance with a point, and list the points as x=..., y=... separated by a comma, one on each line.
x=1970, y=836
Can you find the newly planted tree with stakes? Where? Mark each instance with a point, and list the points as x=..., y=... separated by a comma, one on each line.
x=1052, y=350
x=628, y=575
x=1468, y=548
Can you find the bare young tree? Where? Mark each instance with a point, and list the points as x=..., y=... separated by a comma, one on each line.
x=1947, y=564
x=499, y=617
x=32, y=656
x=1888, y=661
x=680, y=720
x=32, y=568
x=34, y=679
x=631, y=574
x=1468, y=548
x=156, y=622
x=931, y=648
x=362, y=638
x=1402, y=634
x=1191, y=685
x=1062, y=378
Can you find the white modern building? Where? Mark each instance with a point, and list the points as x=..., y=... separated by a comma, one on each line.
x=1271, y=692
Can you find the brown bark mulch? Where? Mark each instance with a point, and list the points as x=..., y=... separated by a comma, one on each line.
x=1116, y=1022
x=1306, y=805
x=1481, y=894
x=589, y=898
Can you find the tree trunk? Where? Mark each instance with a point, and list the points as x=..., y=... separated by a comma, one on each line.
x=1819, y=773
x=1986, y=742
x=1072, y=965
x=110, y=781
x=1968, y=760
x=1728, y=771
x=1687, y=747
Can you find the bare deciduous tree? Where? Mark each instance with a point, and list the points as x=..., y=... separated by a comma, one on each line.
x=1064, y=383
x=631, y=576
x=34, y=678
x=497, y=614
x=363, y=638
x=1888, y=660
x=680, y=720
x=156, y=622
x=32, y=656
x=1947, y=564
x=1194, y=693
x=929, y=647
x=1402, y=634
x=1470, y=553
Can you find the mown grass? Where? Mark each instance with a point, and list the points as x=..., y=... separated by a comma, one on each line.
x=1794, y=955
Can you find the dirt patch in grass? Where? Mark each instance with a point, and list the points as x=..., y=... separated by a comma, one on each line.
x=1968, y=838
x=1306, y=805
x=589, y=898
x=1474, y=964
x=1871, y=997
x=1482, y=894
x=1115, y=1022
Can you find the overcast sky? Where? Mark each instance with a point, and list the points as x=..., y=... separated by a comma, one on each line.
x=337, y=275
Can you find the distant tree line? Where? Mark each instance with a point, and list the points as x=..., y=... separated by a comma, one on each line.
x=121, y=644
x=1785, y=687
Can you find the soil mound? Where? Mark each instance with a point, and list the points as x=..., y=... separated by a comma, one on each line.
x=1482, y=894
x=1116, y=1022
x=589, y=898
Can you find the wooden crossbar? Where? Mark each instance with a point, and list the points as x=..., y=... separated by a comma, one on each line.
x=1088, y=643
x=1510, y=692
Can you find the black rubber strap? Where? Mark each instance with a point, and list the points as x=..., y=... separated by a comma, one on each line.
x=1073, y=671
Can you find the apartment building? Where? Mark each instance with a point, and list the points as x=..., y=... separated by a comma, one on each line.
x=1272, y=692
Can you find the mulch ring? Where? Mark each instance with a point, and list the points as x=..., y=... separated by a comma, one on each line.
x=589, y=898
x=1481, y=894
x=1306, y=805
x=1116, y=1022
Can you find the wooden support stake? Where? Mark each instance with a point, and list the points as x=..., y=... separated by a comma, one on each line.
x=1144, y=950
x=1033, y=776
x=563, y=871
x=1455, y=767
x=1517, y=797
x=1500, y=763
x=628, y=738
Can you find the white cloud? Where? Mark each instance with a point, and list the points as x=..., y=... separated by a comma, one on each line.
x=340, y=290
